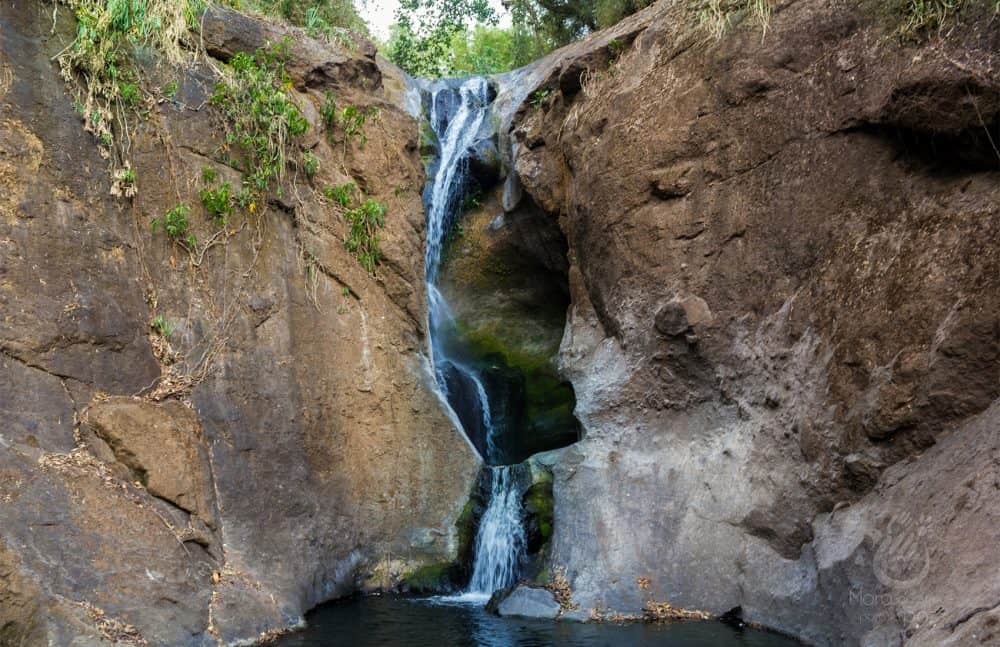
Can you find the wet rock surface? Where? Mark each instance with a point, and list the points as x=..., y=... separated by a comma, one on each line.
x=529, y=602
x=504, y=275
x=300, y=453
x=784, y=315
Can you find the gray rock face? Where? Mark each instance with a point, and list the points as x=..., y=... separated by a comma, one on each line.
x=785, y=323
x=529, y=602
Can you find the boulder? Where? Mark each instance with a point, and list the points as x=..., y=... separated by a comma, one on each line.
x=529, y=602
x=162, y=445
x=485, y=166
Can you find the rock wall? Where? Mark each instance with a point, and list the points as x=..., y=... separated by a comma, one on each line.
x=283, y=445
x=784, y=334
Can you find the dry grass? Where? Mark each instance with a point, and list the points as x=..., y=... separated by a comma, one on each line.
x=113, y=630
x=665, y=612
x=919, y=18
x=106, y=85
x=560, y=588
x=718, y=17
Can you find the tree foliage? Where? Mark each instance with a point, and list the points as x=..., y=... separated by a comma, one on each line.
x=434, y=38
x=421, y=40
x=558, y=22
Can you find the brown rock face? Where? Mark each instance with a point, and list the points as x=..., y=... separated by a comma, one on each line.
x=163, y=448
x=786, y=317
x=283, y=442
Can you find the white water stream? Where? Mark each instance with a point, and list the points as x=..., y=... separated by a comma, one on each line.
x=456, y=114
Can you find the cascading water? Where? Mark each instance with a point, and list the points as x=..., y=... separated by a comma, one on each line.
x=457, y=112
x=500, y=543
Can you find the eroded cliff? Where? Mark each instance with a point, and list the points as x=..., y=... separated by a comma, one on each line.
x=205, y=438
x=784, y=334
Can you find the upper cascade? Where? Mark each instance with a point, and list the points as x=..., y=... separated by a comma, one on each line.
x=456, y=111
x=456, y=116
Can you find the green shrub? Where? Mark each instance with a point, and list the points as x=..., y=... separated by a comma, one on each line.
x=245, y=199
x=362, y=240
x=540, y=96
x=170, y=89
x=208, y=175
x=162, y=327
x=129, y=93
x=340, y=194
x=124, y=182
x=310, y=164
x=328, y=111
x=218, y=202
x=174, y=222
x=261, y=118
x=352, y=121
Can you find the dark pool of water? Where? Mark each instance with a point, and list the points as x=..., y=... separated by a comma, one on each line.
x=416, y=622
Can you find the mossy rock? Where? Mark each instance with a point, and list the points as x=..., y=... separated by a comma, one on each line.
x=510, y=315
x=534, y=403
x=465, y=526
x=429, y=142
x=433, y=578
x=539, y=508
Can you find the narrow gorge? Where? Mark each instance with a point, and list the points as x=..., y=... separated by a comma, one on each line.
x=687, y=332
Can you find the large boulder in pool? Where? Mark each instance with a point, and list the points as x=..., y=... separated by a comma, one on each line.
x=529, y=602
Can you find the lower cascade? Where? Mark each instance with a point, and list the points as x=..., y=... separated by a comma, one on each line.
x=457, y=112
x=500, y=543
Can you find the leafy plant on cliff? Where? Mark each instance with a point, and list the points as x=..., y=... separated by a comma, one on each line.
x=175, y=223
x=162, y=326
x=328, y=111
x=352, y=121
x=218, y=202
x=340, y=194
x=540, y=96
x=98, y=65
x=261, y=118
x=362, y=240
x=310, y=164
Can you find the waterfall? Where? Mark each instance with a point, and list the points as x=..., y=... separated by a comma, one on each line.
x=500, y=542
x=457, y=112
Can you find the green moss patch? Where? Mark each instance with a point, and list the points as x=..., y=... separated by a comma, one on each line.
x=465, y=526
x=538, y=502
x=432, y=578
